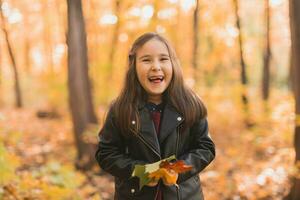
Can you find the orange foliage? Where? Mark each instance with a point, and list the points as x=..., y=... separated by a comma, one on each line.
x=169, y=171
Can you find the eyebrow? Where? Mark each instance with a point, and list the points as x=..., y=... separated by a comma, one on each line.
x=146, y=56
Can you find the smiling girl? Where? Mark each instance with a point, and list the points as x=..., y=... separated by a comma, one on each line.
x=155, y=116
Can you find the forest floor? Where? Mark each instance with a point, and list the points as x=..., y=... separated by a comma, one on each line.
x=254, y=159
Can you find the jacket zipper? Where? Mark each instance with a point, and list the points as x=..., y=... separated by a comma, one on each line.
x=178, y=193
x=176, y=153
x=177, y=141
x=154, y=151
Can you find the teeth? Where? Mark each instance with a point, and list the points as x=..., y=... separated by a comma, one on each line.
x=155, y=78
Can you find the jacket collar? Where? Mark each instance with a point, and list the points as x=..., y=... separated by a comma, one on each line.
x=171, y=119
x=147, y=129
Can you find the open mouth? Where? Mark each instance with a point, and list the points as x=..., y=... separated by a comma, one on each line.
x=156, y=79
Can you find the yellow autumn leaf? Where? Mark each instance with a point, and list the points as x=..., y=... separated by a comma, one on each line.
x=169, y=177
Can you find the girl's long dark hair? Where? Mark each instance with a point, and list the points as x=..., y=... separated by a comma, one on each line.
x=185, y=101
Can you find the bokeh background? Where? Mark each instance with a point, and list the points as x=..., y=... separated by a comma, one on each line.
x=63, y=62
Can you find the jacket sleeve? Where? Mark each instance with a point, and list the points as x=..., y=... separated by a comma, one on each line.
x=110, y=154
x=201, y=150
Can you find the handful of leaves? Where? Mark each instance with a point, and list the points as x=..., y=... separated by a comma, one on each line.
x=168, y=171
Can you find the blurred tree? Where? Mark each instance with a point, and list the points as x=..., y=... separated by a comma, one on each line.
x=291, y=71
x=93, y=30
x=13, y=60
x=47, y=34
x=27, y=42
x=292, y=59
x=244, y=79
x=80, y=98
x=154, y=18
x=294, y=6
x=176, y=25
x=114, y=42
x=1, y=76
x=195, y=40
x=267, y=55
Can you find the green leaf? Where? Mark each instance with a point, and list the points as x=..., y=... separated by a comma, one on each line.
x=149, y=168
x=142, y=171
x=138, y=170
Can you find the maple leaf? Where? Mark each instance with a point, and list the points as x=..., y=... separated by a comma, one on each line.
x=169, y=177
x=178, y=166
x=143, y=171
x=166, y=170
x=169, y=171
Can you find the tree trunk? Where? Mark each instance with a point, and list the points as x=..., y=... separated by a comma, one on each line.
x=115, y=36
x=176, y=25
x=294, y=6
x=1, y=74
x=13, y=61
x=244, y=79
x=267, y=56
x=154, y=19
x=291, y=72
x=196, y=41
x=292, y=55
x=80, y=98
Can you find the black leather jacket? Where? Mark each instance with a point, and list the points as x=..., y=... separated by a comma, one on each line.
x=118, y=155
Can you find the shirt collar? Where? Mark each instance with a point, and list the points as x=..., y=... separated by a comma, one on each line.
x=153, y=107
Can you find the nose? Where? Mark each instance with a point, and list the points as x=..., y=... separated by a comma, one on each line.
x=156, y=66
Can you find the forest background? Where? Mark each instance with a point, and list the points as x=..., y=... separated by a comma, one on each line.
x=63, y=62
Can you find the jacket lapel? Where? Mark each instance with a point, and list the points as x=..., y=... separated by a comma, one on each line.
x=148, y=130
x=170, y=120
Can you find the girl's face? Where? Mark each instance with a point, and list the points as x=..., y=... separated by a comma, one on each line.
x=154, y=69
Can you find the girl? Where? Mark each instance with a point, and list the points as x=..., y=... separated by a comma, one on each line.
x=154, y=117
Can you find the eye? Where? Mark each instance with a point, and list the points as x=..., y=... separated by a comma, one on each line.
x=146, y=60
x=164, y=59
